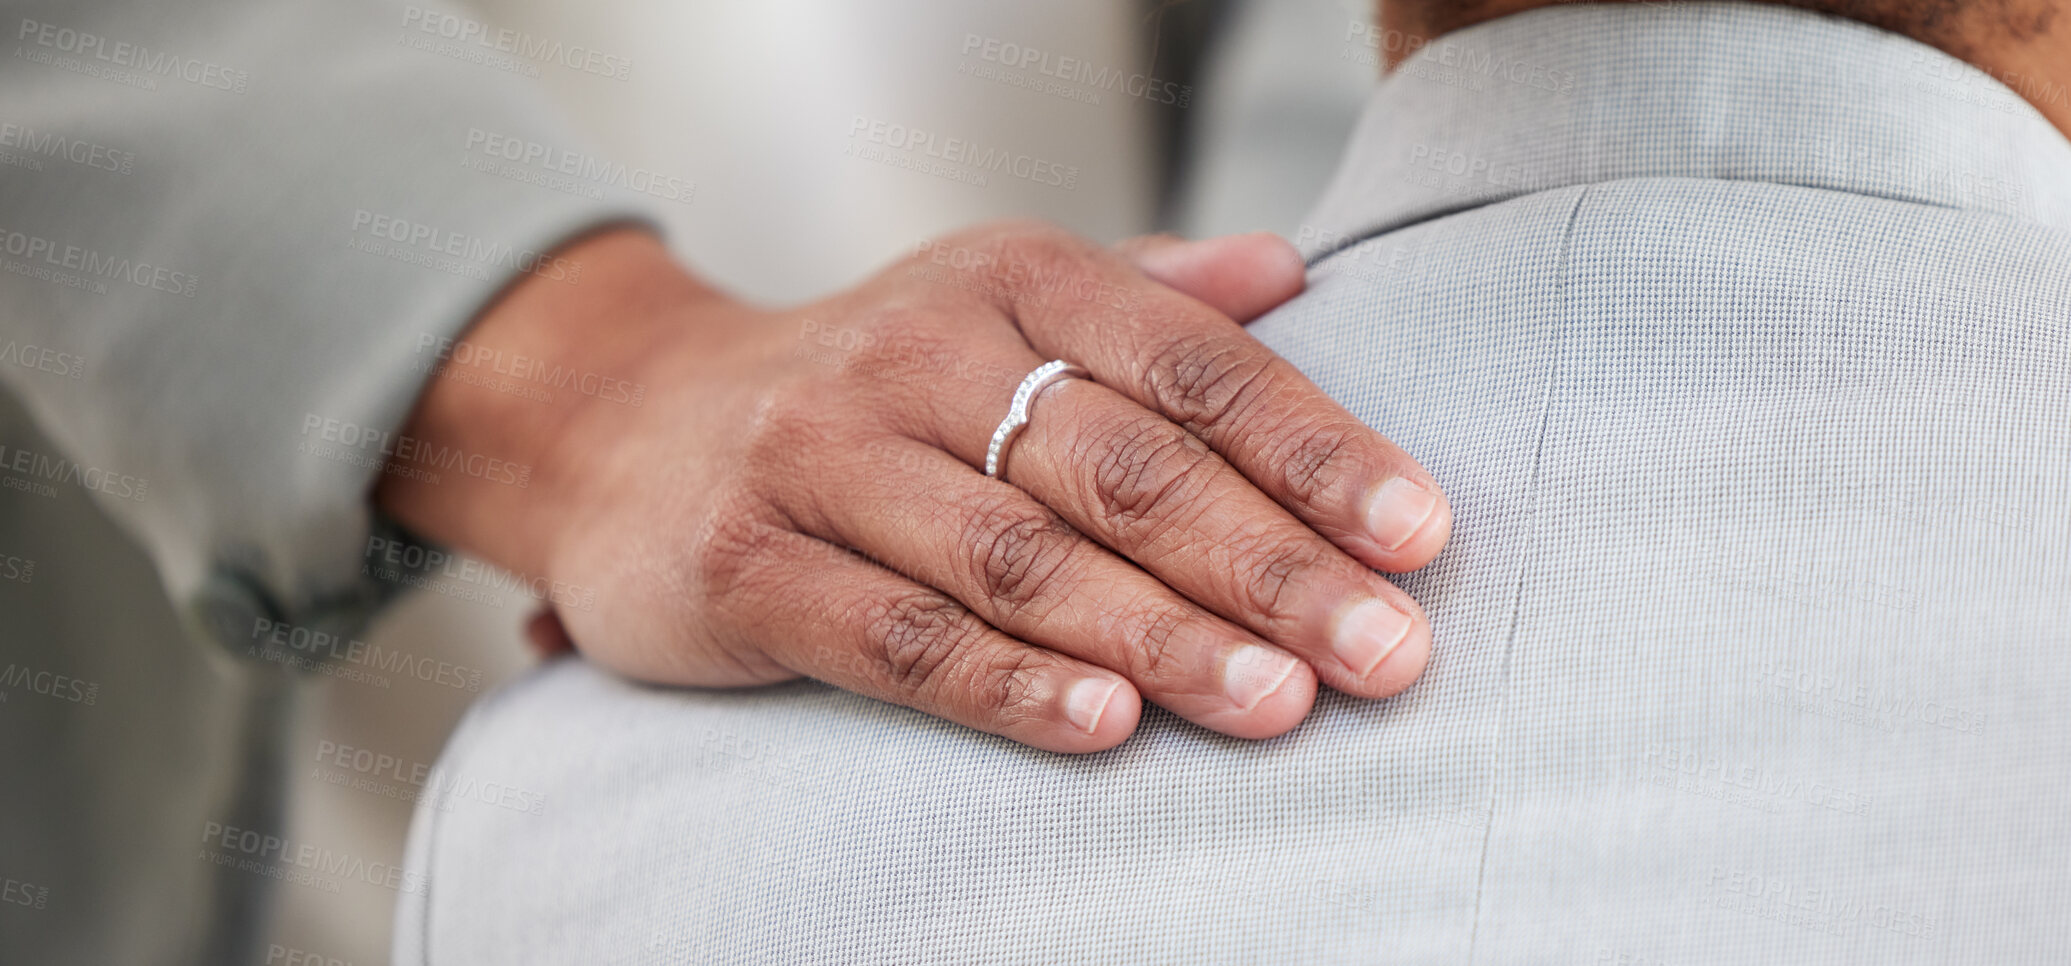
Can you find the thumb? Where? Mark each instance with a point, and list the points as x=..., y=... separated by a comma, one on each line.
x=1240, y=276
x=548, y=639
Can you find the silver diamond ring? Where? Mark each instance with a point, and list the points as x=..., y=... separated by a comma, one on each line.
x=1056, y=370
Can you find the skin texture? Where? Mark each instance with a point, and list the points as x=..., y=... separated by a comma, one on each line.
x=797, y=492
x=2025, y=44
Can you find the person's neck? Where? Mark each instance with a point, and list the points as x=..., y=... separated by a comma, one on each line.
x=2029, y=52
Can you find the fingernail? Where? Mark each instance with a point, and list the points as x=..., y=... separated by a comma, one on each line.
x=1252, y=673
x=1398, y=510
x=1174, y=257
x=1087, y=701
x=1366, y=633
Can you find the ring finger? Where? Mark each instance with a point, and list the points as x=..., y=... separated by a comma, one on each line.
x=1155, y=494
x=1021, y=567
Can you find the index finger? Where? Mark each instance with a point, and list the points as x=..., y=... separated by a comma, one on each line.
x=1178, y=357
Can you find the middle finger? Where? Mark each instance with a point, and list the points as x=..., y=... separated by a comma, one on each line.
x=1154, y=493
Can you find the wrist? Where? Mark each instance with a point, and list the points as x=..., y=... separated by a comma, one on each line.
x=491, y=458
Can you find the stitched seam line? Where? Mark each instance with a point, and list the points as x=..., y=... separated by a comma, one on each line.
x=1560, y=322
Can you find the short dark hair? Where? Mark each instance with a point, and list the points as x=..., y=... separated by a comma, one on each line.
x=1952, y=25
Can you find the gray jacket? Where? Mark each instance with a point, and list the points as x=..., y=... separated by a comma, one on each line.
x=232, y=236
x=1740, y=338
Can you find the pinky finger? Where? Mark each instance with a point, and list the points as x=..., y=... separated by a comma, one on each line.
x=864, y=628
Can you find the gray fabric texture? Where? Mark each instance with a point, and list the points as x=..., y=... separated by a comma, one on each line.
x=1741, y=340
x=184, y=281
x=236, y=260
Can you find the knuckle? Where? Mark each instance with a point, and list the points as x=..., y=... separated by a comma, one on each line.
x=1003, y=238
x=1204, y=378
x=740, y=574
x=792, y=440
x=1024, y=260
x=733, y=555
x=904, y=320
x=1015, y=689
x=996, y=230
x=785, y=415
x=1317, y=460
x=1018, y=553
x=917, y=637
x=891, y=337
x=1024, y=234
x=1146, y=474
x=1158, y=633
x=1040, y=266
x=1267, y=572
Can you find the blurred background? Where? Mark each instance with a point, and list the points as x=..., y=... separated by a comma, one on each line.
x=1228, y=117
